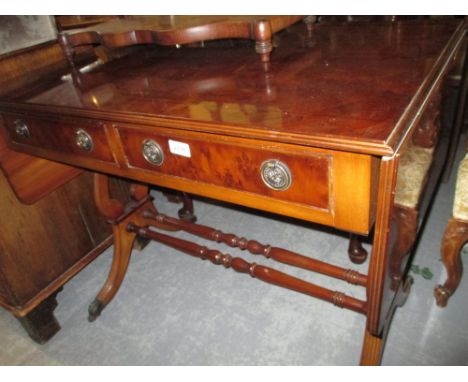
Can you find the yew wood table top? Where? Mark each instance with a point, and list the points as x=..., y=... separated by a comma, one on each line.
x=347, y=86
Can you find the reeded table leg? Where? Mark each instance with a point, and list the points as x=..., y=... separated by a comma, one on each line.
x=455, y=236
x=372, y=350
x=382, y=298
x=373, y=346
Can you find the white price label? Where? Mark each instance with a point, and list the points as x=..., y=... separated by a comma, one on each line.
x=179, y=148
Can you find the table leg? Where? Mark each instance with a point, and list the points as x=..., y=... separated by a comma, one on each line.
x=406, y=221
x=356, y=251
x=374, y=345
x=186, y=212
x=68, y=50
x=40, y=323
x=123, y=244
x=372, y=350
x=380, y=298
x=263, y=44
x=455, y=236
x=119, y=216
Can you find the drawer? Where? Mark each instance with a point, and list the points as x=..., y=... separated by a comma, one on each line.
x=76, y=137
x=324, y=186
x=298, y=176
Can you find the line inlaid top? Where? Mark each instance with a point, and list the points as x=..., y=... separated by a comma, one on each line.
x=353, y=86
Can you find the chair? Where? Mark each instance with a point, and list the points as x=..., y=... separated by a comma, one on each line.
x=455, y=237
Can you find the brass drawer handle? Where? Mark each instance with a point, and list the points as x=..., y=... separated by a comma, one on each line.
x=83, y=140
x=152, y=152
x=276, y=175
x=21, y=129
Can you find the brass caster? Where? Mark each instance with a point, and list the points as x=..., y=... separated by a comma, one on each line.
x=95, y=309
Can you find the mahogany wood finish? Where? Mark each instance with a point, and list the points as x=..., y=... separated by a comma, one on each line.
x=373, y=346
x=406, y=222
x=240, y=167
x=59, y=235
x=226, y=169
x=274, y=115
x=347, y=106
x=460, y=110
x=263, y=273
x=455, y=236
x=60, y=136
x=119, y=216
x=256, y=248
x=65, y=22
x=107, y=206
x=356, y=251
x=427, y=132
x=32, y=178
x=175, y=30
x=50, y=228
x=186, y=212
x=40, y=323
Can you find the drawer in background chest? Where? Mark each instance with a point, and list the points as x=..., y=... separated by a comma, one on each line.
x=75, y=138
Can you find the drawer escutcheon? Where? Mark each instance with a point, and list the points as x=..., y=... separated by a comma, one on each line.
x=276, y=175
x=152, y=152
x=21, y=129
x=83, y=140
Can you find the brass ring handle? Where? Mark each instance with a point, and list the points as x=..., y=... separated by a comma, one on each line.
x=83, y=140
x=21, y=129
x=152, y=152
x=276, y=175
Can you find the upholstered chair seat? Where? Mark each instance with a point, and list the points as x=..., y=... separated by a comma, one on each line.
x=460, y=203
x=413, y=168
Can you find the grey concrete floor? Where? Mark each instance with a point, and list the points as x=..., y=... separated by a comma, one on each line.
x=173, y=309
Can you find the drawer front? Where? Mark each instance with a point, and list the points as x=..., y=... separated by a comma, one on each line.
x=237, y=165
x=81, y=138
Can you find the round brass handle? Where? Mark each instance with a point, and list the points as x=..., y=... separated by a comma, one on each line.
x=21, y=129
x=276, y=175
x=152, y=152
x=83, y=140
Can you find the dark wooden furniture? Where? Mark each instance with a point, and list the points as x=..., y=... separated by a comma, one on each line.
x=43, y=245
x=458, y=80
x=176, y=30
x=66, y=22
x=455, y=237
x=322, y=136
x=50, y=228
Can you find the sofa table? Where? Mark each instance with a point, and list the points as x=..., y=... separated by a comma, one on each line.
x=341, y=129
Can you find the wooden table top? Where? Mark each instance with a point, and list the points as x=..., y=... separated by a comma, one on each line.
x=350, y=86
